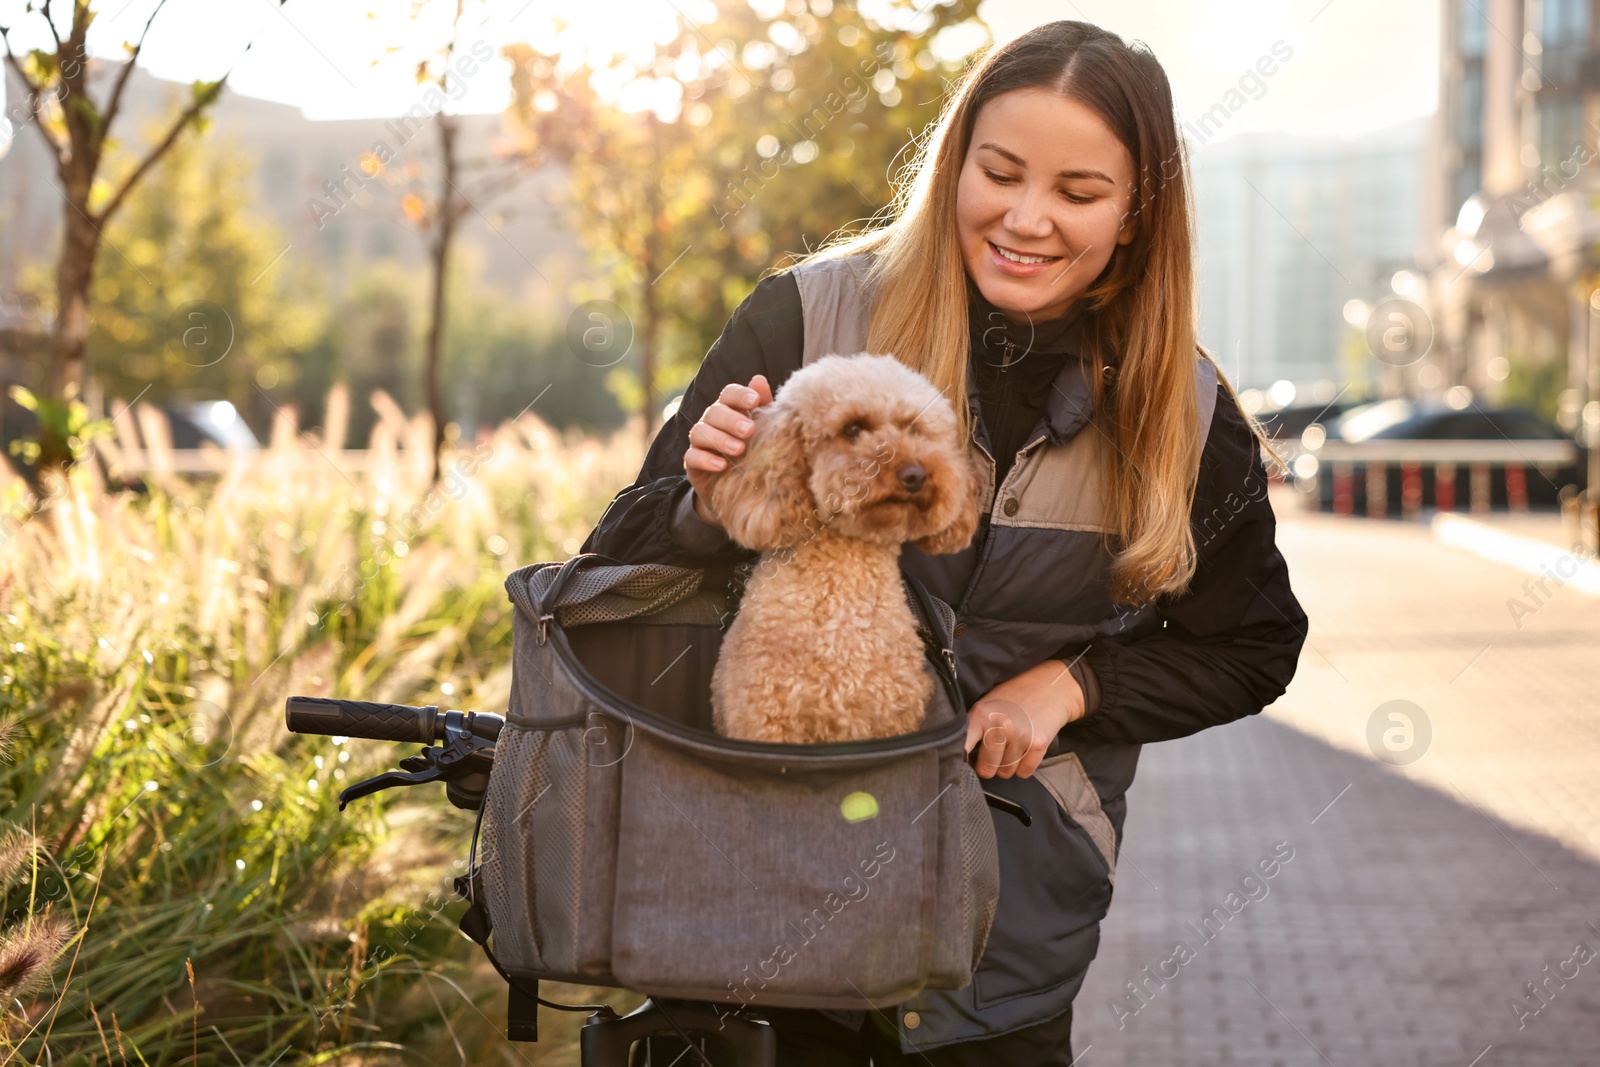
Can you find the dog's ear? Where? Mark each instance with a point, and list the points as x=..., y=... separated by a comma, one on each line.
x=957, y=533
x=763, y=498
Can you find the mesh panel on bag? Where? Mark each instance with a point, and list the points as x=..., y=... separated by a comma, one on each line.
x=559, y=842
x=612, y=593
x=920, y=617
x=981, y=875
x=532, y=845
x=510, y=895
x=497, y=889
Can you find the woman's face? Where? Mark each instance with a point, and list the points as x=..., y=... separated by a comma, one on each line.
x=1044, y=177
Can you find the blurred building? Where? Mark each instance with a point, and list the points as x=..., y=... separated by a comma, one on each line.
x=1290, y=230
x=1511, y=265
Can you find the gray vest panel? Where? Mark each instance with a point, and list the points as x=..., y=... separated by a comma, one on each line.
x=836, y=318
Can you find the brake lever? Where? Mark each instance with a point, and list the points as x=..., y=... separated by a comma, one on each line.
x=467, y=756
x=388, y=780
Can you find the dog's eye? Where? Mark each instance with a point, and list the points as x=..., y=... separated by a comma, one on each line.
x=853, y=429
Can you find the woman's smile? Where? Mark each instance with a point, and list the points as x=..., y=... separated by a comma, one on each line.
x=1017, y=263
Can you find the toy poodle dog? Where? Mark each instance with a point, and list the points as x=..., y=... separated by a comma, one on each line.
x=855, y=456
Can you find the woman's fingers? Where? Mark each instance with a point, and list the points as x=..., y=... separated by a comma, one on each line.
x=699, y=459
x=722, y=432
x=744, y=397
x=763, y=391
x=975, y=727
x=729, y=420
x=1002, y=736
x=994, y=731
x=1032, y=756
x=704, y=435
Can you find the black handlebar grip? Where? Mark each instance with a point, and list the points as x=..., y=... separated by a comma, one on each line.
x=361, y=718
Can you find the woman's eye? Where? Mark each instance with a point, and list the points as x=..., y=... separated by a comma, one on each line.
x=1000, y=179
x=852, y=430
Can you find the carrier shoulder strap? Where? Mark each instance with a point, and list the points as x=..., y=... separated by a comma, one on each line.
x=522, y=996
x=834, y=313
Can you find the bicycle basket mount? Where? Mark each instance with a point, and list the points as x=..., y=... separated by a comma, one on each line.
x=626, y=844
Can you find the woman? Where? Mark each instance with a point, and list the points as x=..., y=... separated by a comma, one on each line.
x=1123, y=586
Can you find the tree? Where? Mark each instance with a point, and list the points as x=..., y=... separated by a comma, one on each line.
x=439, y=215
x=633, y=180
x=199, y=297
x=76, y=131
x=736, y=158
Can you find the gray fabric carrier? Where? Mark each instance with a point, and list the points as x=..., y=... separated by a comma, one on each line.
x=626, y=844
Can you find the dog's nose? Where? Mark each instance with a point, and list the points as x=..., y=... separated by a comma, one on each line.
x=911, y=478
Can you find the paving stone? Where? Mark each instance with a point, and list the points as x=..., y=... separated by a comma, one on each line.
x=1420, y=898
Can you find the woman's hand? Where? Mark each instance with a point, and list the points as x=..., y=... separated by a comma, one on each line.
x=1017, y=719
x=719, y=436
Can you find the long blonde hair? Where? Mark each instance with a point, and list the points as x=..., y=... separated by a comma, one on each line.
x=1141, y=313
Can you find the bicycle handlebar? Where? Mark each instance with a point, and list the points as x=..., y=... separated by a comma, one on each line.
x=380, y=722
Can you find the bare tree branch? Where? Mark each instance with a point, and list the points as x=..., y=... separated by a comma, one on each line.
x=48, y=21
x=35, y=98
x=495, y=186
x=5, y=37
x=200, y=103
x=114, y=104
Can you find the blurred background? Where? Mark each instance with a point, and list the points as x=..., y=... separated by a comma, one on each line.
x=317, y=319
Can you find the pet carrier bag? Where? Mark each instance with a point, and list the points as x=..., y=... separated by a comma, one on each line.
x=624, y=843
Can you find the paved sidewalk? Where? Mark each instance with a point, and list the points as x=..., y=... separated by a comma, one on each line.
x=1422, y=896
x=1541, y=525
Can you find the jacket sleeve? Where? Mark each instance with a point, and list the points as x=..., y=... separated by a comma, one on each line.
x=652, y=520
x=1228, y=646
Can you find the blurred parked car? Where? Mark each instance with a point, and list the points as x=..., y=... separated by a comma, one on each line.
x=1517, y=476
x=1288, y=424
x=1406, y=420
x=215, y=422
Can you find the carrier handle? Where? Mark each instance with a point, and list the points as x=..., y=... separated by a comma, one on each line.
x=545, y=616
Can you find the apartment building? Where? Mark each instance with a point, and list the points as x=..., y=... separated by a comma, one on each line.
x=1511, y=266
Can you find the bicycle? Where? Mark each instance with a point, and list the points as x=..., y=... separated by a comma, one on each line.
x=459, y=751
